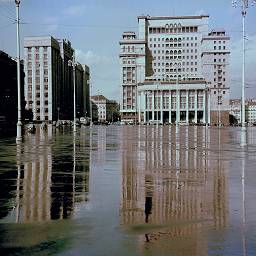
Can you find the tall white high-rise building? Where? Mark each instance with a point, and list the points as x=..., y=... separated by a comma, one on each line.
x=49, y=82
x=174, y=60
x=43, y=68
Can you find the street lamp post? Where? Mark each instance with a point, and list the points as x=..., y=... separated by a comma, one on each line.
x=73, y=64
x=19, y=123
x=245, y=6
x=90, y=84
x=74, y=82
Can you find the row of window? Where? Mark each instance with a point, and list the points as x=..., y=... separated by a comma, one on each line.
x=174, y=51
x=45, y=72
x=220, y=47
x=215, y=92
x=175, y=57
x=155, y=39
x=37, y=86
x=37, y=49
x=37, y=64
x=215, y=42
x=173, y=64
x=170, y=29
x=129, y=61
x=219, y=60
x=175, y=45
x=37, y=95
x=131, y=49
x=45, y=56
x=38, y=79
x=179, y=70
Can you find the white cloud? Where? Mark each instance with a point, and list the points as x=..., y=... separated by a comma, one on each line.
x=90, y=58
x=74, y=10
x=104, y=73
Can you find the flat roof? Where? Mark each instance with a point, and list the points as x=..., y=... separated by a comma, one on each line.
x=174, y=17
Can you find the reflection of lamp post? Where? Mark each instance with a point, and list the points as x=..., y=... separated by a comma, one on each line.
x=219, y=103
x=73, y=64
x=18, y=156
x=58, y=108
x=19, y=123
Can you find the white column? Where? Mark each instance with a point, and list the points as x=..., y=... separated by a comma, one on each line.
x=209, y=107
x=170, y=107
x=187, y=109
x=145, y=106
x=161, y=107
x=204, y=106
x=139, y=96
x=178, y=106
x=153, y=105
x=195, y=106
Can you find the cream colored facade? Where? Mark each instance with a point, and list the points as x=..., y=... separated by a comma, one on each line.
x=171, y=60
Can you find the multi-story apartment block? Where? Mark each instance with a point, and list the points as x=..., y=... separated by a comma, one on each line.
x=235, y=110
x=215, y=60
x=49, y=79
x=251, y=111
x=106, y=108
x=86, y=90
x=66, y=88
x=42, y=66
x=173, y=60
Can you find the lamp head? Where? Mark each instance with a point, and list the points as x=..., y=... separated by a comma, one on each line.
x=17, y=2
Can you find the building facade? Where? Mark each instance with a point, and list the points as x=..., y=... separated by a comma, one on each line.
x=86, y=90
x=43, y=73
x=8, y=86
x=235, y=110
x=251, y=111
x=173, y=60
x=49, y=79
x=106, y=108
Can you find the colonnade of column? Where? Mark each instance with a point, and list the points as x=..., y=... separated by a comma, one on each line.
x=191, y=108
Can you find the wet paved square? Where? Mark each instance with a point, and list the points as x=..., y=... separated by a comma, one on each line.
x=126, y=190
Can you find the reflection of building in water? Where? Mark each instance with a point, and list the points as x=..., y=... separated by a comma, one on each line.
x=53, y=180
x=187, y=184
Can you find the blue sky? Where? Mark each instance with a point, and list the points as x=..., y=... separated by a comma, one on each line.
x=94, y=28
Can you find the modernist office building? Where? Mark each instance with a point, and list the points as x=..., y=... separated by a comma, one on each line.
x=8, y=86
x=175, y=60
x=49, y=79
